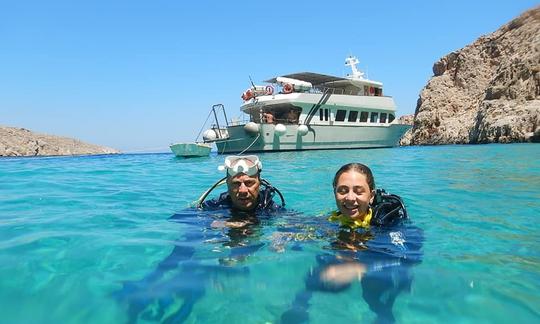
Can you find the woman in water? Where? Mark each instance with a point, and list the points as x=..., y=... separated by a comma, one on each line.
x=374, y=244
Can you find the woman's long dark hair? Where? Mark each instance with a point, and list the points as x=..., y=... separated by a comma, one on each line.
x=358, y=167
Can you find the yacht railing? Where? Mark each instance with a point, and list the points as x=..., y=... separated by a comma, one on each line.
x=340, y=91
x=335, y=91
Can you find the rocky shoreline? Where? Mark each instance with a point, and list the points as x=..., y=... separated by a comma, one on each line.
x=22, y=142
x=486, y=92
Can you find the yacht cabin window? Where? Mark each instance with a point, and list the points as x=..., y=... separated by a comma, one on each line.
x=391, y=118
x=383, y=118
x=363, y=116
x=352, y=116
x=321, y=111
x=374, y=117
x=340, y=115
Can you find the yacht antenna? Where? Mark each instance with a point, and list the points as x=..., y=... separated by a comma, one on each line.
x=252, y=84
x=352, y=61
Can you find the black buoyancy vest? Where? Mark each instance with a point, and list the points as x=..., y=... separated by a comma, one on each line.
x=388, y=209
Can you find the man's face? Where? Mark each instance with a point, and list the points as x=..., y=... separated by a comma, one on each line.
x=244, y=190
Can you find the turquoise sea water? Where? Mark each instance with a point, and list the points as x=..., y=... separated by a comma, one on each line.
x=74, y=232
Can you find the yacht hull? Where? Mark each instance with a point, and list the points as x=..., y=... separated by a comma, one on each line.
x=319, y=137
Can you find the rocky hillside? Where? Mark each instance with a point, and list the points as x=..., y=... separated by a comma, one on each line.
x=22, y=142
x=487, y=92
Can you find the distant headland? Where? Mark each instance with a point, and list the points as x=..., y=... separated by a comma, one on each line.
x=22, y=142
x=486, y=92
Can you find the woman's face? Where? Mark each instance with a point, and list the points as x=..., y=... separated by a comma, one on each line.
x=352, y=194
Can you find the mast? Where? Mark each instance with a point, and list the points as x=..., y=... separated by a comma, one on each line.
x=356, y=74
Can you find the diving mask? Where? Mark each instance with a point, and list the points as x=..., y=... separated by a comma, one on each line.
x=247, y=164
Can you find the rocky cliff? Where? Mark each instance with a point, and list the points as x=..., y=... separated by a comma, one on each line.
x=22, y=142
x=487, y=92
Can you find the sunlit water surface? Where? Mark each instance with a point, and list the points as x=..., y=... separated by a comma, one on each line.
x=77, y=233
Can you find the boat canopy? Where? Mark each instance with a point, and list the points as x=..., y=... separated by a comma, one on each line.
x=314, y=78
x=317, y=79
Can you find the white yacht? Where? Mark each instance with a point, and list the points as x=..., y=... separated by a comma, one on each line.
x=310, y=111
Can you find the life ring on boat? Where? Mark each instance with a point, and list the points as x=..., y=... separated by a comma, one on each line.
x=371, y=90
x=268, y=90
x=247, y=95
x=288, y=88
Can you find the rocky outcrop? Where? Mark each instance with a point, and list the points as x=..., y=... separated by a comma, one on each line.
x=22, y=142
x=407, y=137
x=487, y=92
x=406, y=120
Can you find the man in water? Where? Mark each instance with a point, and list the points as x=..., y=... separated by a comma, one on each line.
x=181, y=275
x=244, y=191
x=249, y=198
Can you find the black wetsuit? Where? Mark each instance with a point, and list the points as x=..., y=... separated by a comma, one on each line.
x=265, y=202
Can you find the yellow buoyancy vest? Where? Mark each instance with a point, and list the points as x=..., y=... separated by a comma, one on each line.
x=349, y=222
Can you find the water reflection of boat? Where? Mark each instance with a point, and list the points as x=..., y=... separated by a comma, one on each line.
x=310, y=111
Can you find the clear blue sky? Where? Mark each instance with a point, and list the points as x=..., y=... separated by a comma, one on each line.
x=138, y=75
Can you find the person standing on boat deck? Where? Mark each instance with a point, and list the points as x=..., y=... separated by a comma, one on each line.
x=268, y=117
x=374, y=245
x=292, y=116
